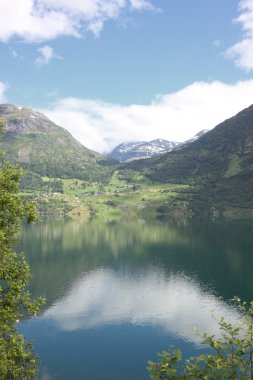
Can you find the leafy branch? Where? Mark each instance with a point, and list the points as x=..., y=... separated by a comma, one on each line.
x=232, y=357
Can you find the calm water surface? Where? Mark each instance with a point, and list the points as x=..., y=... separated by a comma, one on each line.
x=119, y=293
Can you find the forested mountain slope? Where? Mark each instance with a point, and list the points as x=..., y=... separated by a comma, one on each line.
x=220, y=163
x=36, y=143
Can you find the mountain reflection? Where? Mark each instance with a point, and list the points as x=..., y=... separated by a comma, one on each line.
x=60, y=252
x=129, y=290
x=174, y=303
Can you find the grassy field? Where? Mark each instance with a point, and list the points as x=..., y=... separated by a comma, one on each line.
x=118, y=199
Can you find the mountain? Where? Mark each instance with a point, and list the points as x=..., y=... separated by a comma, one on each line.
x=137, y=150
x=219, y=164
x=217, y=167
x=194, y=138
x=36, y=143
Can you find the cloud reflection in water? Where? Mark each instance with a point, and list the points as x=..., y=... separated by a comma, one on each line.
x=104, y=297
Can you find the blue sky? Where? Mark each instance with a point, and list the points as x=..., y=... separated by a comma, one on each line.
x=121, y=70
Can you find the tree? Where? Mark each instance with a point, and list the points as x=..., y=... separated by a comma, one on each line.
x=232, y=356
x=17, y=360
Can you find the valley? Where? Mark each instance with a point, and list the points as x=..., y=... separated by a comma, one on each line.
x=210, y=175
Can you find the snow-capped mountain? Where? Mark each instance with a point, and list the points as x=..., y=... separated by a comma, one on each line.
x=136, y=150
x=194, y=138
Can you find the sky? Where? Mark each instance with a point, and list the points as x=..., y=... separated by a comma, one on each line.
x=113, y=71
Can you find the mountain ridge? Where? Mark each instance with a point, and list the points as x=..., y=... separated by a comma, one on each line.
x=136, y=150
x=39, y=145
x=213, y=172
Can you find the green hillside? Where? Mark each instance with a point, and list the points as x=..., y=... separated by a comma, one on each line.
x=213, y=175
x=37, y=144
x=219, y=165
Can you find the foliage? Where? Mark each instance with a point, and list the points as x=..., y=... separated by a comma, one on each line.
x=17, y=360
x=32, y=182
x=232, y=356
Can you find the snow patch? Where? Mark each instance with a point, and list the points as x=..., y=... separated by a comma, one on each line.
x=35, y=112
x=129, y=151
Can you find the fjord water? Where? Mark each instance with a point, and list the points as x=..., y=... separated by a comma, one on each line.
x=118, y=293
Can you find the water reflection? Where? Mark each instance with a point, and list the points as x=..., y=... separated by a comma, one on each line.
x=60, y=252
x=105, y=297
x=130, y=290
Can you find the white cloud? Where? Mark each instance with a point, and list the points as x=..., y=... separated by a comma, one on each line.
x=242, y=51
x=141, y=4
x=217, y=43
x=103, y=297
x=3, y=88
x=177, y=116
x=46, y=55
x=14, y=53
x=41, y=20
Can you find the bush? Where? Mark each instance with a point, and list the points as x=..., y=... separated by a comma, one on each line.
x=232, y=356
